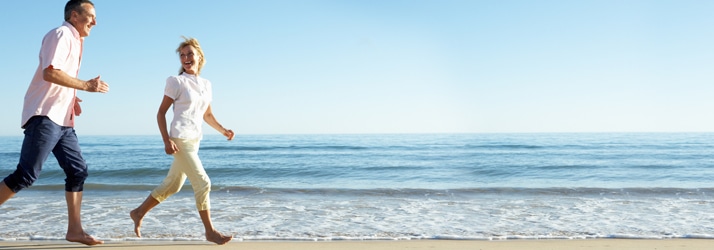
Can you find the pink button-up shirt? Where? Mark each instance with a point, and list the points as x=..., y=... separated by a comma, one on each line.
x=61, y=49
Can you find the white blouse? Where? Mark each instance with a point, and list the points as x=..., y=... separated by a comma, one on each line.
x=192, y=95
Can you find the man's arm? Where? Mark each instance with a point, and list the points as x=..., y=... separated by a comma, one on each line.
x=57, y=76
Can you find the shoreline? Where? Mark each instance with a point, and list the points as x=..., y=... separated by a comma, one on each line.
x=590, y=244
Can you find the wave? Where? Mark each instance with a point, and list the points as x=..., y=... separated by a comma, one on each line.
x=412, y=192
x=10, y=155
x=96, y=187
x=484, y=191
x=504, y=146
x=401, y=148
x=271, y=148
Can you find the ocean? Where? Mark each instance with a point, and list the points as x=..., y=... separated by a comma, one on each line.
x=388, y=187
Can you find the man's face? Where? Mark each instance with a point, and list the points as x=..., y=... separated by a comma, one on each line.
x=85, y=20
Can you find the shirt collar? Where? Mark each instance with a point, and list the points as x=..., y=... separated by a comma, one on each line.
x=73, y=29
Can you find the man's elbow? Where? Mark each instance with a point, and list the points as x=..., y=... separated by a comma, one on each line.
x=49, y=74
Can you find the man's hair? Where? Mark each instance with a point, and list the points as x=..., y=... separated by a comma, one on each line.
x=74, y=5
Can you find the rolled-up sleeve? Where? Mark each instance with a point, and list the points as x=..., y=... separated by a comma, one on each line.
x=55, y=51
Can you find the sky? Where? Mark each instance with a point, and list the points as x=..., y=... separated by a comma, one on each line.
x=388, y=66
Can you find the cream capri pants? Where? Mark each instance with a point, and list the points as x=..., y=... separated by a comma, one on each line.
x=186, y=164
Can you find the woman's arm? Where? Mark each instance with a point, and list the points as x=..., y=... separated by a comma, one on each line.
x=169, y=145
x=211, y=120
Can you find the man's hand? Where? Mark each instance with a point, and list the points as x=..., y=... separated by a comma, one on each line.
x=96, y=85
x=77, y=108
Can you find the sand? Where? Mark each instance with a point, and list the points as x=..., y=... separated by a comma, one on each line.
x=589, y=244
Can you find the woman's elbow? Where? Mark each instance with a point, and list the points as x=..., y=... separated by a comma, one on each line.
x=208, y=118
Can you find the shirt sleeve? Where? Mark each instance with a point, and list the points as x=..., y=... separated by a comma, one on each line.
x=210, y=91
x=55, y=50
x=172, y=87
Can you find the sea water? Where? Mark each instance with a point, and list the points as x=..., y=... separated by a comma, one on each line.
x=388, y=186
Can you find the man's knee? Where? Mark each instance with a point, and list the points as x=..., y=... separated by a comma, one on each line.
x=20, y=180
x=75, y=181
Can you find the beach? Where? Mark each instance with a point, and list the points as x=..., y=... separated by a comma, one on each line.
x=589, y=244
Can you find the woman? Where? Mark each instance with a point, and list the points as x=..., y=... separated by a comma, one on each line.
x=191, y=97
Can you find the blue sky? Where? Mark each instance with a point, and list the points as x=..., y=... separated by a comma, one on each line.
x=389, y=66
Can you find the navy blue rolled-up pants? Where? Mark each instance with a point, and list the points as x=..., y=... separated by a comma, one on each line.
x=43, y=136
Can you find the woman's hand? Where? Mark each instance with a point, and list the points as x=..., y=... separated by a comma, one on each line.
x=229, y=134
x=170, y=147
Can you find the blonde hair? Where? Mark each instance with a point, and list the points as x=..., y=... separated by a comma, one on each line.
x=190, y=41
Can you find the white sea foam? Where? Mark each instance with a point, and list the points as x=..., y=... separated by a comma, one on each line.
x=317, y=217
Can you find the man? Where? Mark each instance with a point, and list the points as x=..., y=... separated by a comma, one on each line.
x=49, y=111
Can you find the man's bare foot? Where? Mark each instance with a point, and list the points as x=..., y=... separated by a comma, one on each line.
x=83, y=238
x=137, y=222
x=218, y=238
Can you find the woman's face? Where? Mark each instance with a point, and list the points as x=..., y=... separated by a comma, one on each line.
x=189, y=59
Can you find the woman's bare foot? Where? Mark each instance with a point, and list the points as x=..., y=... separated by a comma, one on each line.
x=217, y=237
x=137, y=222
x=83, y=238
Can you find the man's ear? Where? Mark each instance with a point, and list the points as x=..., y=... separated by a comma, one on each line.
x=74, y=15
